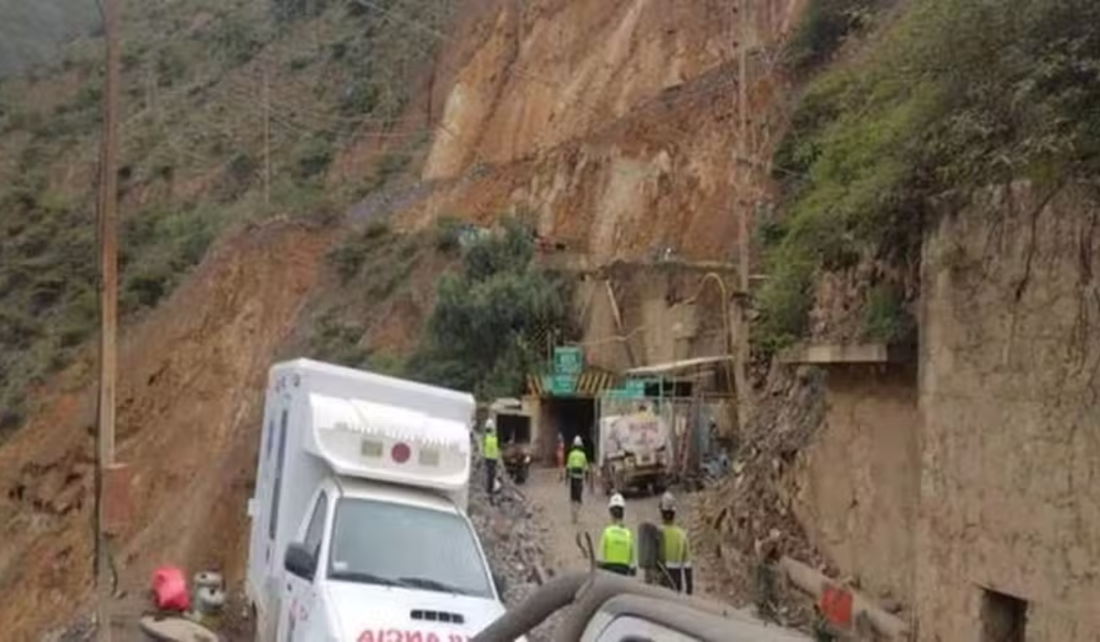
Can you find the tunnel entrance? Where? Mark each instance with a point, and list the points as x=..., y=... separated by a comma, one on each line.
x=569, y=417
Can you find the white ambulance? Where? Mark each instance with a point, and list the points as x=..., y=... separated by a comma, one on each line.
x=359, y=527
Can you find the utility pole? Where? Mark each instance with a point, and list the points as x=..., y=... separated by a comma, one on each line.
x=108, y=354
x=267, y=132
x=743, y=208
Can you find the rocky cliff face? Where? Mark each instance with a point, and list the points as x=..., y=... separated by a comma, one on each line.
x=614, y=122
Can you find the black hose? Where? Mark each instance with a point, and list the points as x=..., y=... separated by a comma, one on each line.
x=551, y=597
x=586, y=592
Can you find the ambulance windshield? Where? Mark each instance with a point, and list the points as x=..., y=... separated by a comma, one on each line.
x=390, y=544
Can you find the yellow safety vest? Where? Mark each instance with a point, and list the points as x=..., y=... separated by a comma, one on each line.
x=577, y=462
x=492, y=446
x=617, y=545
x=675, y=550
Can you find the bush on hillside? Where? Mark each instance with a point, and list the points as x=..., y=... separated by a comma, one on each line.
x=290, y=10
x=236, y=39
x=312, y=158
x=956, y=95
x=824, y=27
x=479, y=333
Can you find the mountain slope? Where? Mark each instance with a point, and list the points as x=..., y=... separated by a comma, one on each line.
x=33, y=32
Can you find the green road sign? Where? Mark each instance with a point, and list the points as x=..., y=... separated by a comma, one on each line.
x=632, y=389
x=560, y=385
x=568, y=361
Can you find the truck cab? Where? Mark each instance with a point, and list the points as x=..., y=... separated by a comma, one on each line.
x=359, y=526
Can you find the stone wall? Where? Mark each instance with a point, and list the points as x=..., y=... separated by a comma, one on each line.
x=857, y=482
x=1010, y=397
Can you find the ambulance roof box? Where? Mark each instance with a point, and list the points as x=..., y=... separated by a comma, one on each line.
x=382, y=428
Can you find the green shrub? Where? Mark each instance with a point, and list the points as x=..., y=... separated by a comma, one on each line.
x=955, y=95
x=886, y=317
x=349, y=257
x=312, y=158
x=824, y=26
x=338, y=341
x=147, y=288
x=448, y=230
x=478, y=335
x=360, y=97
x=236, y=39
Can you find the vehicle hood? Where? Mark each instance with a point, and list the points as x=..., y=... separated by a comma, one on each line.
x=369, y=613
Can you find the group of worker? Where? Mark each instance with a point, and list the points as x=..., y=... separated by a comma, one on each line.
x=617, y=551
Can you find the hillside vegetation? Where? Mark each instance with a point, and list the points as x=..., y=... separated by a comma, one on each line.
x=33, y=31
x=340, y=119
x=947, y=97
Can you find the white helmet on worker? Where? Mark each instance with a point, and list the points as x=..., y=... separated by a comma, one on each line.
x=490, y=425
x=668, y=502
x=616, y=501
x=577, y=441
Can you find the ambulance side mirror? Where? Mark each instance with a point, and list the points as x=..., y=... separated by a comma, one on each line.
x=500, y=583
x=300, y=561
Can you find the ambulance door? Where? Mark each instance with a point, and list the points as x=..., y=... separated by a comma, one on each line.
x=304, y=617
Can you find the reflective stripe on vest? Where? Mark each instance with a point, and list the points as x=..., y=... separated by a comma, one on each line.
x=492, y=446
x=675, y=551
x=617, y=545
x=577, y=462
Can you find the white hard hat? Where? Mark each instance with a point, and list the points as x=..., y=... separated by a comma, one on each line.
x=577, y=441
x=490, y=424
x=617, y=501
x=668, y=502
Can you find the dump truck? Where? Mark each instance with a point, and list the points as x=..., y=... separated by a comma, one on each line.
x=635, y=452
x=514, y=432
x=359, y=525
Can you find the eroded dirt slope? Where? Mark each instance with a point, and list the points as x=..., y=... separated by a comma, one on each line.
x=188, y=418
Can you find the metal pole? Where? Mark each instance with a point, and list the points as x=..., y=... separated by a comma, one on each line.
x=743, y=209
x=108, y=356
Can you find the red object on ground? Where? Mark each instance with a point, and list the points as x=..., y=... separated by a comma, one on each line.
x=836, y=604
x=170, y=589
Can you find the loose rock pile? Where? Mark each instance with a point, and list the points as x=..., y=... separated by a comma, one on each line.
x=512, y=535
x=746, y=518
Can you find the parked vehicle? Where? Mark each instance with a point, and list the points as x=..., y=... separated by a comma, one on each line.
x=634, y=453
x=359, y=531
x=514, y=431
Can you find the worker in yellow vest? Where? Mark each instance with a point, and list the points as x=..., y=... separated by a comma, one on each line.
x=617, y=542
x=675, y=550
x=491, y=453
x=576, y=468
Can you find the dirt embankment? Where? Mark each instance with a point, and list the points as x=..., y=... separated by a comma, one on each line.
x=189, y=412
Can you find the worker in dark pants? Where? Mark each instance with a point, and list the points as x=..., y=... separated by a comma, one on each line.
x=491, y=453
x=576, y=468
x=678, y=574
x=617, y=542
